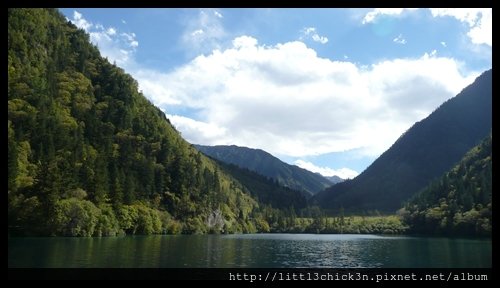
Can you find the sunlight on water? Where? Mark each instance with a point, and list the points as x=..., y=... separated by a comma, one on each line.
x=250, y=250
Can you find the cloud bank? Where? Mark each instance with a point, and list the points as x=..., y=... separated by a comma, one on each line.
x=287, y=100
x=284, y=98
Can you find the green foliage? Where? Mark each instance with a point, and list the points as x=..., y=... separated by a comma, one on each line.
x=24, y=214
x=25, y=171
x=314, y=220
x=107, y=224
x=148, y=221
x=459, y=203
x=194, y=226
x=127, y=217
x=74, y=217
x=89, y=154
x=262, y=225
x=77, y=193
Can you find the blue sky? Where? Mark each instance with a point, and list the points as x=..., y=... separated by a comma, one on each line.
x=326, y=89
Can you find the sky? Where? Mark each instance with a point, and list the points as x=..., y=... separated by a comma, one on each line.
x=328, y=90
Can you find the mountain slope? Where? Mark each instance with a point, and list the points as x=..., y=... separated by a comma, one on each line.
x=266, y=164
x=265, y=190
x=89, y=155
x=428, y=149
x=459, y=202
x=335, y=179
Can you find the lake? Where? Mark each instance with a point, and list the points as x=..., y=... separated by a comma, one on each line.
x=250, y=250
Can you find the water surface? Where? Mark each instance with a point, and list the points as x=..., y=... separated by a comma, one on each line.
x=250, y=250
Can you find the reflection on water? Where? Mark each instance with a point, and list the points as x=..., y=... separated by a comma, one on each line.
x=251, y=250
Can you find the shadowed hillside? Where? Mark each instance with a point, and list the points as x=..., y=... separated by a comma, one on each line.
x=266, y=164
x=427, y=150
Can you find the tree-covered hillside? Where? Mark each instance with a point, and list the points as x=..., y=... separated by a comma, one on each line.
x=426, y=151
x=266, y=164
x=265, y=190
x=459, y=203
x=89, y=155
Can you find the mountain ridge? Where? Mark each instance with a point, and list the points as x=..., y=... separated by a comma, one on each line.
x=265, y=190
x=266, y=164
x=334, y=179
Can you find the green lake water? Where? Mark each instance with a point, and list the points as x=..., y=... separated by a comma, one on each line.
x=250, y=250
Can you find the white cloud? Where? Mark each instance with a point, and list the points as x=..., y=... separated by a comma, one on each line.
x=190, y=126
x=400, y=39
x=286, y=100
x=479, y=20
x=311, y=32
x=344, y=173
x=244, y=42
x=130, y=37
x=468, y=15
x=111, y=31
x=217, y=14
x=197, y=32
x=372, y=15
x=203, y=34
x=320, y=39
x=481, y=33
x=124, y=22
x=152, y=86
x=117, y=47
x=80, y=22
x=443, y=43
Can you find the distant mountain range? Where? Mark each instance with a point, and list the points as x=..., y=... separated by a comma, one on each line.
x=266, y=164
x=264, y=189
x=427, y=150
x=334, y=179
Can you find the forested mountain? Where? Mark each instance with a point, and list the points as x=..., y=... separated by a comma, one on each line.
x=264, y=189
x=459, y=203
x=266, y=164
x=89, y=155
x=426, y=151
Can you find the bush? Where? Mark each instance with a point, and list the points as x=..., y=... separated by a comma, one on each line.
x=262, y=225
x=107, y=224
x=194, y=226
x=74, y=217
x=140, y=219
x=127, y=217
x=173, y=227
